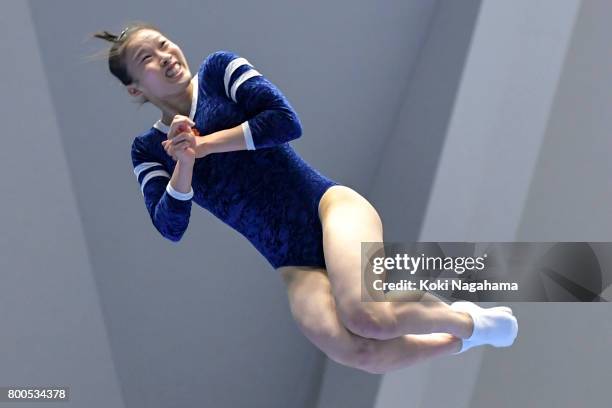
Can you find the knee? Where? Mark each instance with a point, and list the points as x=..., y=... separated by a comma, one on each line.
x=370, y=320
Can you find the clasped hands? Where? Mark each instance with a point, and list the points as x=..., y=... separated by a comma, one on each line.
x=183, y=143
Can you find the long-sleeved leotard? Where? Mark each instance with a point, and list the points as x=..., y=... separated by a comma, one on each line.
x=267, y=193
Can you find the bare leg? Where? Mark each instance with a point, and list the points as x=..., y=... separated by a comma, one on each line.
x=314, y=309
x=349, y=219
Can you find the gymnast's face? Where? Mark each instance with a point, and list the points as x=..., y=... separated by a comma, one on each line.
x=157, y=65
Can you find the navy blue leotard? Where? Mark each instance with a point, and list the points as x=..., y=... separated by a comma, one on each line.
x=268, y=193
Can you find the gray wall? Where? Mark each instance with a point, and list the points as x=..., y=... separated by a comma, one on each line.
x=570, y=195
x=411, y=156
x=53, y=330
x=526, y=125
x=499, y=118
x=569, y=199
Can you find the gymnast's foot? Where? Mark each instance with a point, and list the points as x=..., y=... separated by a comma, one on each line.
x=495, y=326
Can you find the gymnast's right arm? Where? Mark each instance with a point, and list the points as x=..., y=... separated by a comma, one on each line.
x=168, y=208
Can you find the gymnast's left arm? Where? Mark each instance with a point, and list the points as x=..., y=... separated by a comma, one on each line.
x=271, y=118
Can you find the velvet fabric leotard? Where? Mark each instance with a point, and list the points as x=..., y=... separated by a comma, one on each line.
x=268, y=193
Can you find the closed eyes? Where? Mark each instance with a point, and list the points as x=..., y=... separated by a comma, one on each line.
x=162, y=44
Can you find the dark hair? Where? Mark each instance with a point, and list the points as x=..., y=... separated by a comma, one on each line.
x=116, y=62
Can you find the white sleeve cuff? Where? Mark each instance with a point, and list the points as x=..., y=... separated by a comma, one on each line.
x=178, y=195
x=248, y=137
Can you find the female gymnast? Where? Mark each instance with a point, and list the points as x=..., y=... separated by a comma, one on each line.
x=222, y=141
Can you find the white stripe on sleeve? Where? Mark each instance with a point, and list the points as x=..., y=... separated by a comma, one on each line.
x=249, y=74
x=152, y=174
x=229, y=70
x=143, y=166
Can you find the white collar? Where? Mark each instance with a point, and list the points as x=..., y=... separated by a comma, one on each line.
x=162, y=127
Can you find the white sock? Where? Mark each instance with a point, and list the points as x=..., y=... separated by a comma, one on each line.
x=495, y=326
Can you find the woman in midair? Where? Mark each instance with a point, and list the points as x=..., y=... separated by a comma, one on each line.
x=222, y=141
